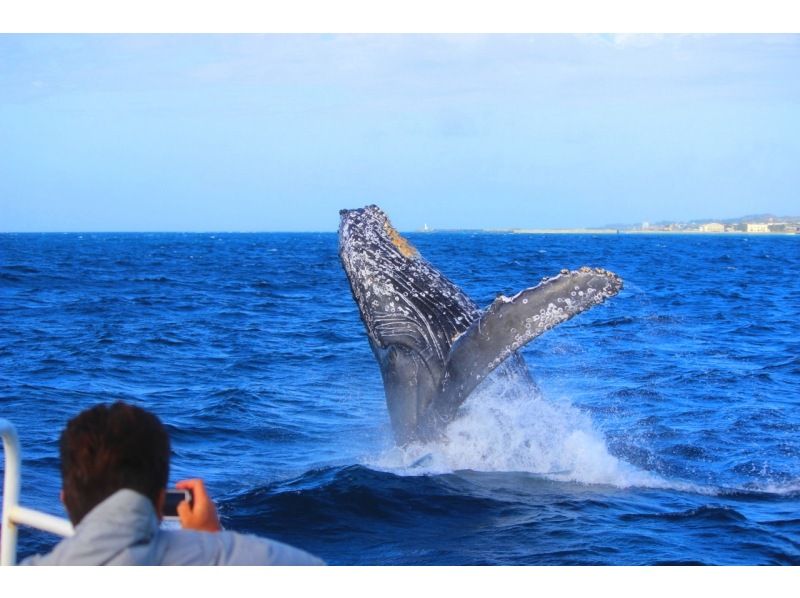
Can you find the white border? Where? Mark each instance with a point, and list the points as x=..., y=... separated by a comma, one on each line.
x=396, y=16
x=402, y=582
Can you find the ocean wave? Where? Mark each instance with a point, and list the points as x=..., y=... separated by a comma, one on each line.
x=165, y=340
x=10, y=277
x=716, y=513
x=151, y=279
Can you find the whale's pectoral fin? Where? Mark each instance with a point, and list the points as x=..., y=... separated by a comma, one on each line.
x=508, y=323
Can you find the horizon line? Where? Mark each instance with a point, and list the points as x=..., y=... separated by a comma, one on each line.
x=514, y=230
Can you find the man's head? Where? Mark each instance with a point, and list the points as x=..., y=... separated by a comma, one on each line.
x=110, y=447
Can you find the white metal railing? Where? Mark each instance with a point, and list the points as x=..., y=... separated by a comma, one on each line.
x=14, y=514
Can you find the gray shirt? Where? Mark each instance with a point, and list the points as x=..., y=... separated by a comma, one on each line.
x=124, y=530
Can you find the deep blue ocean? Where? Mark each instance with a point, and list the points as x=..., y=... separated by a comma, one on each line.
x=667, y=429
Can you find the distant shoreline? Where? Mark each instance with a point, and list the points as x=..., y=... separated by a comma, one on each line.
x=600, y=231
x=611, y=231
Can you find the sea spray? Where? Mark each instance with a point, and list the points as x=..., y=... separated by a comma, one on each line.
x=514, y=429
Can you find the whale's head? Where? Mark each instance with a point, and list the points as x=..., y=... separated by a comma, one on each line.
x=394, y=285
x=370, y=224
x=372, y=253
x=411, y=312
x=367, y=240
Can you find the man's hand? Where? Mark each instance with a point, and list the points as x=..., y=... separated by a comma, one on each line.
x=201, y=515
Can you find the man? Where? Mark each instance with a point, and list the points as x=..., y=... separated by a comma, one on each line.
x=114, y=470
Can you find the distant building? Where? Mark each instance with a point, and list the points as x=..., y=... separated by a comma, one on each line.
x=757, y=227
x=712, y=227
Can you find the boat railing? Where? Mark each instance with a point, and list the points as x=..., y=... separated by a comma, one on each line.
x=14, y=514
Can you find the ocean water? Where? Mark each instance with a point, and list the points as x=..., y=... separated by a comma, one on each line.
x=667, y=429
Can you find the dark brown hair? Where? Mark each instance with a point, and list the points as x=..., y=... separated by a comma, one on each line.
x=110, y=447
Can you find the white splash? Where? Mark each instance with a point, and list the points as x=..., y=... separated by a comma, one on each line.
x=505, y=429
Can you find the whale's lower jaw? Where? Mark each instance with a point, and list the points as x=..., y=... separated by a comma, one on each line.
x=432, y=343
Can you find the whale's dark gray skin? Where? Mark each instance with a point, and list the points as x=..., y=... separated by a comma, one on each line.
x=434, y=346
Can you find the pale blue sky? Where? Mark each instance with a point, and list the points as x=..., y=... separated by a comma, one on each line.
x=278, y=132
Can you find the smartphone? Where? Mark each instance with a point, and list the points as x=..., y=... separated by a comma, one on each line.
x=173, y=498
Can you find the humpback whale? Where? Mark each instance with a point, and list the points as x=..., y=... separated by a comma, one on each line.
x=432, y=342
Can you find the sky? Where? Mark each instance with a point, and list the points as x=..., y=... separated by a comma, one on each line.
x=279, y=132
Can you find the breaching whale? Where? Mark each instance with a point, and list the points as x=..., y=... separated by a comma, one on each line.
x=434, y=346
